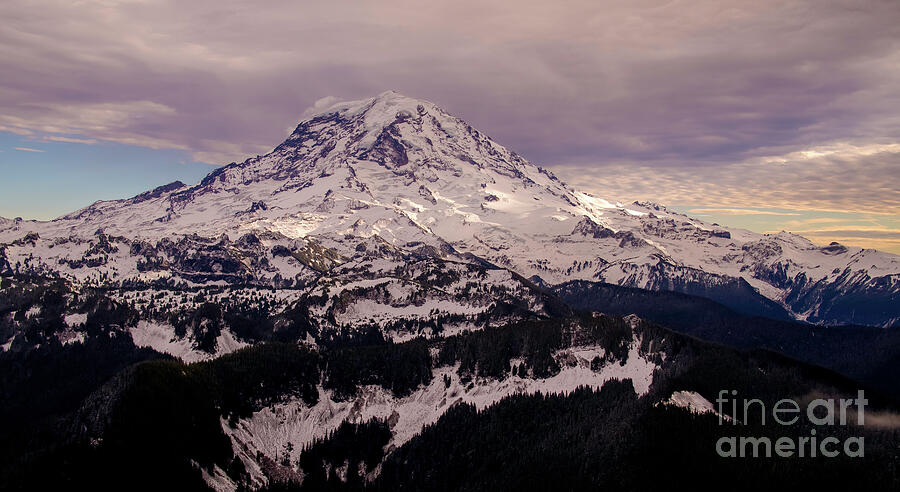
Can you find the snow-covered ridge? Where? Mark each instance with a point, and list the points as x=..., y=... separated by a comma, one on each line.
x=269, y=431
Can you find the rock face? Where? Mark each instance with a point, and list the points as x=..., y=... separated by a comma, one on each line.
x=372, y=186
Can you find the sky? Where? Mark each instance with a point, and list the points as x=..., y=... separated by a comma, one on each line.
x=768, y=115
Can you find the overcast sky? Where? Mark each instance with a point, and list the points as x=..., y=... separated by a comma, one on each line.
x=763, y=114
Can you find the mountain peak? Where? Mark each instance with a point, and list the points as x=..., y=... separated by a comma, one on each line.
x=405, y=135
x=384, y=107
x=355, y=126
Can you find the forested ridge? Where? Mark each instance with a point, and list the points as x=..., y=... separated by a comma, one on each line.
x=102, y=412
x=165, y=415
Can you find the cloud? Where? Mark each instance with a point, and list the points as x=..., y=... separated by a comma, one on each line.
x=798, y=224
x=28, y=149
x=873, y=233
x=834, y=177
x=738, y=211
x=14, y=130
x=321, y=105
x=654, y=82
x=113, y=121
x=880, y=232
x=881, y=244
x=53, y=138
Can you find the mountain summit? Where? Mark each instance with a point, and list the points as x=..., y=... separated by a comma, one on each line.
x=409, y=176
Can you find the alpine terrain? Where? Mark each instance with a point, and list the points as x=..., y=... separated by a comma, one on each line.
x=391, y=300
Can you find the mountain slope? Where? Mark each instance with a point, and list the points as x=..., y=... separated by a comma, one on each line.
x=515, y=407
x=867, y=354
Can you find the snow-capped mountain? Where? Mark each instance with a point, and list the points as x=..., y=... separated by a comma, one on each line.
x=365, y=186
x=391, y=281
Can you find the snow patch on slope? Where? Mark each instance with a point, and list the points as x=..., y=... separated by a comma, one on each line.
x=694, y=402
x=269, y=430
x=691, y=400
x=162, y=338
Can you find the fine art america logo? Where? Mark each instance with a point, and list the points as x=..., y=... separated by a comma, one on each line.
x=819, y=413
